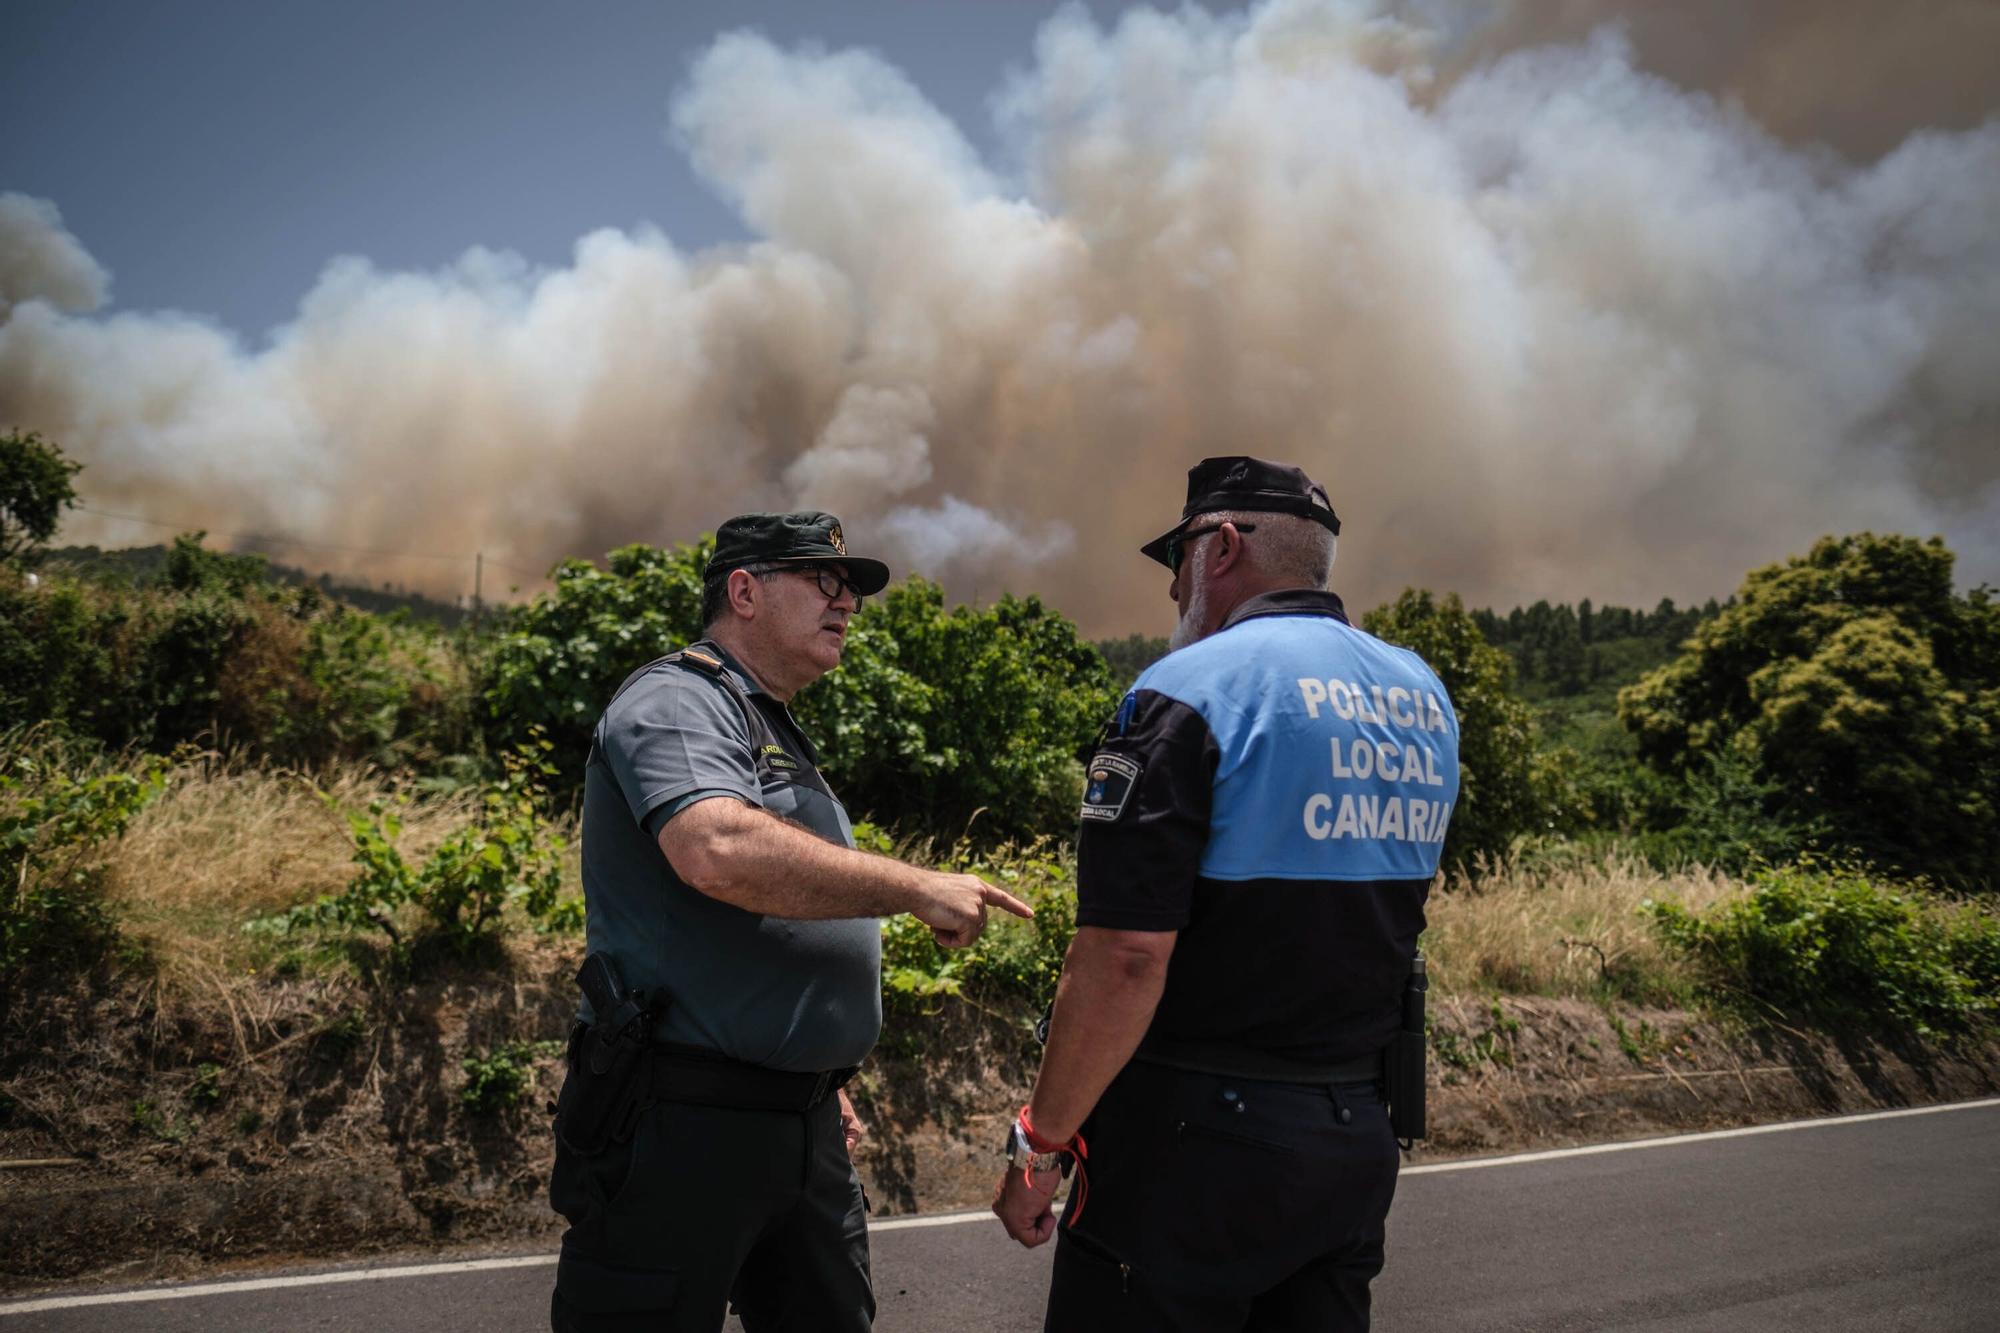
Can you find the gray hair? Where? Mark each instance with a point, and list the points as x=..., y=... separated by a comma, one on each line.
x=1288, y=549
x=715, y=591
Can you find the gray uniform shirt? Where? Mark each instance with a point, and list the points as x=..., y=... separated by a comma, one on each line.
x=785, y=994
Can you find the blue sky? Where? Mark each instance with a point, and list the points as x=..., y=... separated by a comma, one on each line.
x=215, y=155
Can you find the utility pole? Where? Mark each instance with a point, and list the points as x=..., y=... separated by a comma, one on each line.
x=478, y=581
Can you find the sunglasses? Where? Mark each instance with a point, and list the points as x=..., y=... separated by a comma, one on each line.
x=1176, y=544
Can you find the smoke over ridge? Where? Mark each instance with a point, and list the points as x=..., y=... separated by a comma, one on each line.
x=1546, y=324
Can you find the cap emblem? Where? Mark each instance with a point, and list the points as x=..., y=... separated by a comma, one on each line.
x=835, y=540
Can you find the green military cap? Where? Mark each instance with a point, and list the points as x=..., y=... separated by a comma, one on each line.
x=802, y=538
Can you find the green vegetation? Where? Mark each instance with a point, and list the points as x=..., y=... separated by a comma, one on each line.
x=1827, y=945
x=1129, y=656
x=54, y=819
x=1862, y=690
x=501, y=1077
x=372, y=782
x=138, y=566
x=508, y=853
x=1015, y=963
x=935, y=717
x=35, y=487
x=1509, y=787
x=1563, y=652
x=213, y=652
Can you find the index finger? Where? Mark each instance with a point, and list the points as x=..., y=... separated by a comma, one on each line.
x=1006, y=901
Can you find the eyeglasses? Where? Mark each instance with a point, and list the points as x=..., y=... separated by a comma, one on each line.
x=831, y=582
x=1177, y=543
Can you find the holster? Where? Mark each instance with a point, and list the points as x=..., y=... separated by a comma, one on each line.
x=599, y=1106
x=607, y=1082
x=1403, y=1061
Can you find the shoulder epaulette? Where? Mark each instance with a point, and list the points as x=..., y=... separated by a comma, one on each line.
x=696, y=657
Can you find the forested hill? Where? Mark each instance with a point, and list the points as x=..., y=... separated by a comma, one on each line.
x=138, y=566
x=1561, y=650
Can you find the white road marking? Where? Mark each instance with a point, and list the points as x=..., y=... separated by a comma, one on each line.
x=1675, y=1140
x=937, y=1219
x=271, y=1284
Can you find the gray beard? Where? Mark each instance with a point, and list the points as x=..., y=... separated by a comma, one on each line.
x=1194, y=614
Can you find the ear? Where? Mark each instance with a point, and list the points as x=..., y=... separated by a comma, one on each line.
x=1228, y=552
x=742, y=593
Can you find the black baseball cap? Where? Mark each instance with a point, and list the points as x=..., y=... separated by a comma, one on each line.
x=1252, y=484
x=802, y=538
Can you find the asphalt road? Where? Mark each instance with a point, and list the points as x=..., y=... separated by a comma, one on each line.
x=1878, y=1222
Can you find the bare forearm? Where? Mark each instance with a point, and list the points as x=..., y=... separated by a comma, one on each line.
x=756, y=861
x=1104, y=1005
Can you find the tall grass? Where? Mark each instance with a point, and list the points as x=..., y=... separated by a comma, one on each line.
x=1565, y=924
x=232, y=840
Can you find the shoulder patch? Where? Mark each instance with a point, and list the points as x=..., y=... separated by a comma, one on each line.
x=1108, y=781
x=712, y=665
x=775, y=757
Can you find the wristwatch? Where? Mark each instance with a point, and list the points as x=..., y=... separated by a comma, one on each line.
x=1022, y=1156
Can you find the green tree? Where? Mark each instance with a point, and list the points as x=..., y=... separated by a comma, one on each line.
x=1129, y=656
x=933, y=716
x=1508, y=787
x=34, y=490
x=557, y=660
x=1862, y=689
x=937, y=714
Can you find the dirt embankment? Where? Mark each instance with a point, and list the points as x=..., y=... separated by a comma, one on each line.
x=302, y=1119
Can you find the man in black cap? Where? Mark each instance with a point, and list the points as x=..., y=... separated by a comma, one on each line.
x=1260, y=827
x=733, y=980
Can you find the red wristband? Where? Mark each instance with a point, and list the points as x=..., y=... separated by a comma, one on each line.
x=1037, y=1142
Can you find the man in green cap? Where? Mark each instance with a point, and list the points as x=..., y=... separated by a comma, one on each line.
x=734, y=976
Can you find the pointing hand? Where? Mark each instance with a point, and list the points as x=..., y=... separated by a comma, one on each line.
x=955, y=908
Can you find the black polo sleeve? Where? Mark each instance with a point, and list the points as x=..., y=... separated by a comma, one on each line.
x=1145, y=811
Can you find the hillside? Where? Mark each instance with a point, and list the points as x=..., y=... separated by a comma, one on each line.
x=139, y=566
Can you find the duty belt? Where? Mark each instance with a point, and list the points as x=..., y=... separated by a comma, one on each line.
x=1237, y=1063
x=703, y=1078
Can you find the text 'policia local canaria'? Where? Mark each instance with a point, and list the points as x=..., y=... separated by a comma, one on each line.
x=1368, y=814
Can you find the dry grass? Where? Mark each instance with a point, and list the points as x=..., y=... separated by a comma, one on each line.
x=229, y=841
x=1563, y=926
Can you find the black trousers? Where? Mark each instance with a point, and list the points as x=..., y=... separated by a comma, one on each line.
x=708, y=1205
x=1225, y=1204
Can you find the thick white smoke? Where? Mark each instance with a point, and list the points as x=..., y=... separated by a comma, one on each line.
x=1544, y=323
x=41, y=261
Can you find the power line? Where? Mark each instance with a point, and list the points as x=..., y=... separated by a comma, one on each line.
x=269, y=540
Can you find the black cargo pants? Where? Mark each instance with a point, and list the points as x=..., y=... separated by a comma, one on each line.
x=707, y=1205
x=1225, y=1204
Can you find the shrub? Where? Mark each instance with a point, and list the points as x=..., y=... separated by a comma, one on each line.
x=499, y=1078
x=510, y=853
x=943, y=720
x=211, y=650
x=1829, y=945
x=56, y=814
x=1014, y=963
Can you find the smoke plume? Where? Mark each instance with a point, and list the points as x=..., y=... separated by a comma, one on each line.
x=1545, y=321
x=41, y=261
